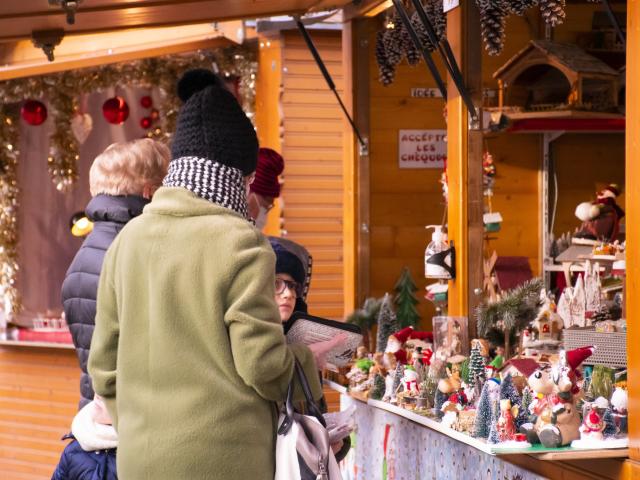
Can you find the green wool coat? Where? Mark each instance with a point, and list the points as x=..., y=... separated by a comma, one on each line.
x=188, y=349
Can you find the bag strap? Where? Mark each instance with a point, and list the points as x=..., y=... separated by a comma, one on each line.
x=311, y=406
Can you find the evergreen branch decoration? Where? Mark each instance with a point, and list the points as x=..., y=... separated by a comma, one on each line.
x=512, y=313
x=515, y=310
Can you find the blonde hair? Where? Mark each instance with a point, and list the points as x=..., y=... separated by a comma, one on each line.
x=126, y=168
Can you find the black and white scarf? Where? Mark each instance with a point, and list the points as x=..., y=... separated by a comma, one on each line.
x=213, y=181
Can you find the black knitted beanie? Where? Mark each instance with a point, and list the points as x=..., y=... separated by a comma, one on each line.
x=212, y=125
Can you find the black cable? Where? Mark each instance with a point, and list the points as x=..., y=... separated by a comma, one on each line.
x=327, y=76
x=447, y=57
x=425, y=53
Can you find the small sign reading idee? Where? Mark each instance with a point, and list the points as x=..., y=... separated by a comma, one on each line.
x=426, y=93
x=422, y=148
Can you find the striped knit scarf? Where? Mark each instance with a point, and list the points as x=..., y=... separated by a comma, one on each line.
x=215, y=182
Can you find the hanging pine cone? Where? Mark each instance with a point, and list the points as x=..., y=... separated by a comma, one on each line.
x=386, y=70
x=519, y=7
x=552, y=11
x=412, y=53
x=393, y=40
x=492, y=22
x=437, y=17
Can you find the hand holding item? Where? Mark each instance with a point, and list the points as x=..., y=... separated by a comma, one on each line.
x=320, y=349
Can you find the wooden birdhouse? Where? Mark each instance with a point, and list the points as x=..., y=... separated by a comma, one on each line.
x=547, y=75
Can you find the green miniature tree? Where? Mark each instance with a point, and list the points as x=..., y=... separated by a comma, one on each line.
x=387, y=323
x=377, y=391
x=477, y=365
x=366, y=317
x=406, y=301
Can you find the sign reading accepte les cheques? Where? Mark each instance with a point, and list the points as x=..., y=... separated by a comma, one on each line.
x=422, y=148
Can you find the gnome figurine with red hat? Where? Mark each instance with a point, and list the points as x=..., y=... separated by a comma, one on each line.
x=569, y=367
x=601, y=218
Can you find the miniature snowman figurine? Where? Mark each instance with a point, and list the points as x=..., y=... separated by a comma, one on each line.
x=506, y=422
x=619, y=403
x=592, y=426
x=410, y=380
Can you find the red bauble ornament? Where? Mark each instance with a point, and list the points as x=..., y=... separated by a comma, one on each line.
x=146, y=122
x=115, y=110
x=146, y=101
x=34, y=112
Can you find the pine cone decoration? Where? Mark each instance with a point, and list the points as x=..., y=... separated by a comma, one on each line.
x=519, y=7
x=393, y=40
x=386, y=70
x=552, y=11
x=492, y=22
x=437, y=17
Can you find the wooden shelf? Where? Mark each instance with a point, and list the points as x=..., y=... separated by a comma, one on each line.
x=15, y=343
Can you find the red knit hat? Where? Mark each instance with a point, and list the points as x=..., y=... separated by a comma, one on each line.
x=270, y=165
x=403, y=335
x=579, y=355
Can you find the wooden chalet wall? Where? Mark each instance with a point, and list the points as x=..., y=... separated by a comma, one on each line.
x=301, y=118
x=39, y=393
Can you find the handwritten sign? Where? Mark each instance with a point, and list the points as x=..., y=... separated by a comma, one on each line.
x=422, y=148
x=426, y=93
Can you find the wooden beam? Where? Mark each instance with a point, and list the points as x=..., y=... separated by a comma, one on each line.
x=269, y=112
x=365, y=8
x=356, y=171
x=464, y=165
x=107, y=56
x=632, y=206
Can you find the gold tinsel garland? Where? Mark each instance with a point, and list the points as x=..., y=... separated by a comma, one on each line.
x=61, y=91
x=8, y=208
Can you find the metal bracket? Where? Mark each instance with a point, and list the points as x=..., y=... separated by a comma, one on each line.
x=70, y=7
x=363, y=149
x=47, y=40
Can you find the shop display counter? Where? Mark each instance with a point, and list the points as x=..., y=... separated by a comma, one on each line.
x=395, y=439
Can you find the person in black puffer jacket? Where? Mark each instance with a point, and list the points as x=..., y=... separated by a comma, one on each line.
x=122, y=181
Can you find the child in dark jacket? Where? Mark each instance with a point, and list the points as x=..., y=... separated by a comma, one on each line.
x=92, y=453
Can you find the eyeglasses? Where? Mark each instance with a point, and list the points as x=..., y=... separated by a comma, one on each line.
x=294, y=287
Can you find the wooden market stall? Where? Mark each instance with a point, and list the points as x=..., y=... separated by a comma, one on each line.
x=391, y=206
x=361, y=215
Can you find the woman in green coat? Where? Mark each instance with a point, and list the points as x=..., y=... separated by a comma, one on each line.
x=188, y=351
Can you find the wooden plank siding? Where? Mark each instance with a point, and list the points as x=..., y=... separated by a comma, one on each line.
x=312, y=149
x=39, y=393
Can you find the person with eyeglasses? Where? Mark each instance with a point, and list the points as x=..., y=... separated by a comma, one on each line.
x=265, y=185
x=293, y=277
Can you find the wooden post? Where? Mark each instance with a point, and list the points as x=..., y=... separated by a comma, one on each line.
x=632, y=206
x=268, y=112
x=464, y=164
x=355, y=52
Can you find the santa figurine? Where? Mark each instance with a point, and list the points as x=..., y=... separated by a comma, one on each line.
x=592, y=426
x=601, y=218
x=506, y=425
x=397, y=341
